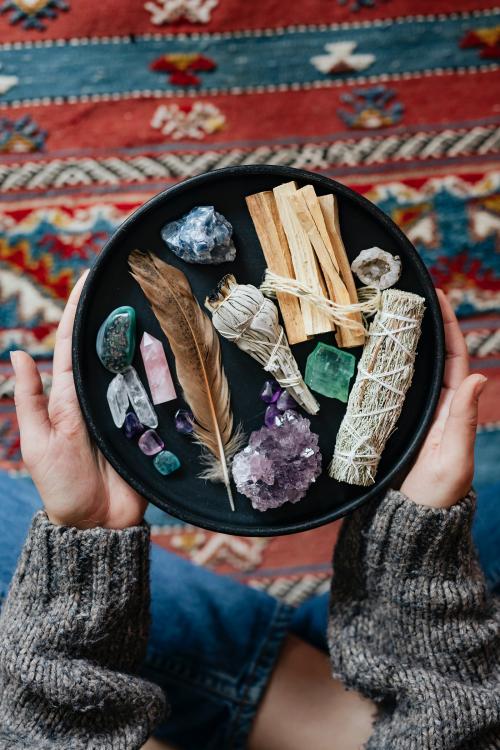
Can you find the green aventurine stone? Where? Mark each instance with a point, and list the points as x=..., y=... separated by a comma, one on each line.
x=329, y=370
x=115, y=342
x=166, y=462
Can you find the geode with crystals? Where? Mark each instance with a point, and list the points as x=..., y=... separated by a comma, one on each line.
x=279, y=463
x=376, y=267
x=201, y=236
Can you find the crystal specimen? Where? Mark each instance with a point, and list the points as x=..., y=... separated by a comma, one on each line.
x=184, y=421
x=151, y=443
x=272, y=416
x=376, y=267
x=118, y=399
x=270, y=392
x=201, y=236
x=166, y=462
x=279, y=463
x=285, y=402
x=329, y=370
x=139, y=399
x=132, y=427
x=115, y=342
x=157, y=370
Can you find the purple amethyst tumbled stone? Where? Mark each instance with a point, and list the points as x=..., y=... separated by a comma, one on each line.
x=132, y=427
x=184, y=421
x=279, y=463
x=150, y=443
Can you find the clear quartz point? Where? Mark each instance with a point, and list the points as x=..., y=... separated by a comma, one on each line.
x=117, y=396
x=139, y=398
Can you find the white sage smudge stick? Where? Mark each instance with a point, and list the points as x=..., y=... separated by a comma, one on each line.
x=368, y=304
x=242, y=314
x=385, y=372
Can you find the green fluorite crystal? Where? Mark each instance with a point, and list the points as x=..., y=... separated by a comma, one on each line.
x=166, y=462
x=329, y=370
x=115, y=343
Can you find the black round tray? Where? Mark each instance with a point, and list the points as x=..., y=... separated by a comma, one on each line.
x=110, y=285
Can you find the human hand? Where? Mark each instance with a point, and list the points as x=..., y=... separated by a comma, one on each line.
x=443, y=471
x=77, y=485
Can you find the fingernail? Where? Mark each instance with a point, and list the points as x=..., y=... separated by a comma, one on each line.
x=13, y=356
x=480, y=386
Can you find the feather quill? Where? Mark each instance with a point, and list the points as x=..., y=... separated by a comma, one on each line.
x=198, y=363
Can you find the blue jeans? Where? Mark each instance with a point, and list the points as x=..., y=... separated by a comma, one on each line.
x=214, y=642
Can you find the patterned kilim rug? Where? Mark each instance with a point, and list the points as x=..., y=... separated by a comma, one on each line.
x=105, y=103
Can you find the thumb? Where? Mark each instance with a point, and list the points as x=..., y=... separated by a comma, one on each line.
x=31, y=404
x=460, y=429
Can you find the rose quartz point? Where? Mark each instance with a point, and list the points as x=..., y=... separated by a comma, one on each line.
x=157, y=370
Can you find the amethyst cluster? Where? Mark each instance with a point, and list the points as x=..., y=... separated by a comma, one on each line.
x=279, y=463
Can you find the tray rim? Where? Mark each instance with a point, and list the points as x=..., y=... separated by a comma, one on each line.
x=432, y=305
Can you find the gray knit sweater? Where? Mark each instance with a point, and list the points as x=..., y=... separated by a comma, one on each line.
x=411, y=627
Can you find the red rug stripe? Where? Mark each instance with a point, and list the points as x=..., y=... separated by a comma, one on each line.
x=267, y=117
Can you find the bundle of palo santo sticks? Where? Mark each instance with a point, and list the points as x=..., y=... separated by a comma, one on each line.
x=300, y=236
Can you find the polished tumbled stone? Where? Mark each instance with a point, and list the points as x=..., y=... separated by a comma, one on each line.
x=166, y=462
x=132, y=427
x=184, y=421
x=139, y=398
x=151, y=443
x=329, y=371
x=115, y=342
x=118, y=399
x=201, y=236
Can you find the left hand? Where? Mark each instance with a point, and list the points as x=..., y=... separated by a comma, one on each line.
x=442, y=474
x=77, y=485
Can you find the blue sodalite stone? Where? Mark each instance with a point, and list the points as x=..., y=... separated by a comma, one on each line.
x=201, y=236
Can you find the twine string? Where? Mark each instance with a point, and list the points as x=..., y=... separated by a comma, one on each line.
x=368, y=299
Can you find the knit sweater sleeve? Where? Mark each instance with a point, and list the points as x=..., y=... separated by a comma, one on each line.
x=73, y=632
x=413, y=628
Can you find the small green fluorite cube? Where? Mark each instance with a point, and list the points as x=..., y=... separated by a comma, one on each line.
x=166, y=462
x=329, y=370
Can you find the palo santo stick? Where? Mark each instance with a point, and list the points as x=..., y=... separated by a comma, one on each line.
x=303, y=259
x=265, y=217
x=314, y=206
x=337, y=291
x=322, y=244
x=329, y=210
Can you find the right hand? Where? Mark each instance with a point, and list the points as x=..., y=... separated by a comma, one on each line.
x=77, y=485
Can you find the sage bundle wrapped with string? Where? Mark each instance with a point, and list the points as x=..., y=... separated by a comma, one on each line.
x=242, y=314
x=384, y=375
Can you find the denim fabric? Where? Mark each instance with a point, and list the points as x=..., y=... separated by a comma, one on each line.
x=213, y=645
x=214, y=642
